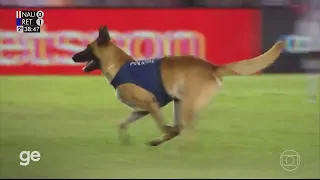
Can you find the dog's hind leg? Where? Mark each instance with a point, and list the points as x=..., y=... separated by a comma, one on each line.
x=192, y=103
x=134, y=116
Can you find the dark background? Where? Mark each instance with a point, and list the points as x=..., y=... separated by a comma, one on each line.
x=278, y=21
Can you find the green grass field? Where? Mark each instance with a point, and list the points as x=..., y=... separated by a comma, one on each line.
x=73, y=121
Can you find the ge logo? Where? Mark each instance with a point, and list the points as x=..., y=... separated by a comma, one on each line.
x=40, y=14
x=26, y=156
x=290, y=160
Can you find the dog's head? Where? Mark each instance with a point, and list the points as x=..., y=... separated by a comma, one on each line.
x=88, y=56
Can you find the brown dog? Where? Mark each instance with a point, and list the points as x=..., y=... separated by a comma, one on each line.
x=189, y=81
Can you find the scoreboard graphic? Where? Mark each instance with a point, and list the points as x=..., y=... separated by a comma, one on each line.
x=29, y=21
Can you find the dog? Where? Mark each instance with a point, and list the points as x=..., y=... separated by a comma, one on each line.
x=147, y=85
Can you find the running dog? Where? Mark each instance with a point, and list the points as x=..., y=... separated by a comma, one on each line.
x=147, y=85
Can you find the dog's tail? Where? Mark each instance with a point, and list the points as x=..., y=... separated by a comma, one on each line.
x=249, y=66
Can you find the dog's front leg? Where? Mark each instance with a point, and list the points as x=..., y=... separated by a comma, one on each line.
x=176, y=113
x=123, y=127
x=169, y=132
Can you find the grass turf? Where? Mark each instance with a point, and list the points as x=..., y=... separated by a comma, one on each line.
x=72, y=122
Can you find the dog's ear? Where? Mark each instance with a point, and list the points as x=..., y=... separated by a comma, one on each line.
x=104, y=36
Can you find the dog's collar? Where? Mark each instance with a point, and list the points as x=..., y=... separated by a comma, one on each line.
x=110, y=67
x=106, y=75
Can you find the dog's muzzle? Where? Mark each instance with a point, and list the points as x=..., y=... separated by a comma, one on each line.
x=87, y=57
x=91, y=65
x=80, y=57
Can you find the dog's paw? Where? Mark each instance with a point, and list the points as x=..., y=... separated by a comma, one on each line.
x=126, y=141
x=155, y=142
x=124, y=138
x=174, y=131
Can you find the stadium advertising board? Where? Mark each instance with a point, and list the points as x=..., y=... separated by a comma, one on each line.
x=218, y=35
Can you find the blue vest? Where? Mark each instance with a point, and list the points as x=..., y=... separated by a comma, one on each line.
x=147, y=75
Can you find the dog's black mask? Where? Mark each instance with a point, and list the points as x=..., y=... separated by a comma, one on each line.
x=87, y=55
